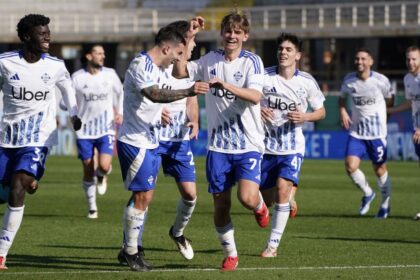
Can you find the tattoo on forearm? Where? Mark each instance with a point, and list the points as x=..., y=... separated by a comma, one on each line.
x=158, y=95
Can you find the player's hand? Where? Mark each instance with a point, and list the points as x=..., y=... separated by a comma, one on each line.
x=194, y=130
x=196, y=24
x=416, y=136
x=77, y=123
x=217, y=83
x=345, y=120
x=296, y=117
x=165, y=117
x=267, y=115
x=199, y=88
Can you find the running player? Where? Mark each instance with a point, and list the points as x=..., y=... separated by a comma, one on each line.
x=28, y=78
x=288, y=92
x=370, y=93
x=235, y=133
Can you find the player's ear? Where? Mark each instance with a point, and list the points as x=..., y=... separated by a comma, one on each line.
x=88, y=57
x=165, y=49
x=246, y=37
x=26, y=37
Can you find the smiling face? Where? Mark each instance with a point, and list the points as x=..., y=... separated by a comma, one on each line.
x=363, y=62
x=233, y=38
x=287, y=54
x=172, y=53
x=413, y=61
x=38, y=39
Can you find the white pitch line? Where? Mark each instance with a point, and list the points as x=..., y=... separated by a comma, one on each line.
x=215, y=269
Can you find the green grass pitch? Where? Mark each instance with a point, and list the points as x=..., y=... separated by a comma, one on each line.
x=327, y=239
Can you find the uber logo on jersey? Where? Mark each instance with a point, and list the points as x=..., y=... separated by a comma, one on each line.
x=238, y=75
x=360, y=101
x=27, y=95
x=218, y=92
x=95, y=97
x=165, y=86
x=45, y=77
x=277, y=103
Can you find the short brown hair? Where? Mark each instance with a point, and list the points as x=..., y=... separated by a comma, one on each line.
x=412, y=48
x=235, y=19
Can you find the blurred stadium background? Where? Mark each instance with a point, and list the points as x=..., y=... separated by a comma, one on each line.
x=331, y=31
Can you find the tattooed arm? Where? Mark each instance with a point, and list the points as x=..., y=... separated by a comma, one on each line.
x=159, y=95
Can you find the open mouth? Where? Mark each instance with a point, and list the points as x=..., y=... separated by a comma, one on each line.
x=45, y=45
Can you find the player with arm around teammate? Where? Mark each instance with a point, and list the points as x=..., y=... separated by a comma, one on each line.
x=138, y=137
x=370, y=93
x=28, y=78
x=235, y=133
x=98, y=93
x=288, y=92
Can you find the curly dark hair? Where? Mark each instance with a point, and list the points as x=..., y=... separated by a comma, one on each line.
x=27, y=22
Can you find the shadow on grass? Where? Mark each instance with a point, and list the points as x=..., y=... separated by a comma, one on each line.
x=361, y=239
x=56, y=262
x=352, y=216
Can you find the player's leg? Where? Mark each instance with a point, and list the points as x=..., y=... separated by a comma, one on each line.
x=248, y=174
x=225, y=230
x=287, y=173
x=378, y=154
x=26, y=167
x=180, y=165
x=417, y=149
x=85, y=148
x=221, y=179
x=354, y=152
x=105, y=146
x=292, y=202
x=139, y=168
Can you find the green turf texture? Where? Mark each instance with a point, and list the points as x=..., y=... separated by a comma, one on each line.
x=327, y=239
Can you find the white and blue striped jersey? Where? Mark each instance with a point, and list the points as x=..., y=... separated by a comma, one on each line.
x=97, y=96
x=412, y=92
x=142, y=117
x=29, y=101
x=176, y=131
x=234, y=125
x=368, y=106
x=282, y=96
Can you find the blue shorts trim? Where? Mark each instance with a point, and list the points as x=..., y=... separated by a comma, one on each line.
x=375, y=149
x=139, y=167
x=280, y=166
x=224, y=170
x=177, y=160
x=31, y=160
x=104, y=145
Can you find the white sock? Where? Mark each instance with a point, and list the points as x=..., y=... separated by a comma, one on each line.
x=360, y=180
x=260, y=204
x=99, y=172
x=140, y=238
x=227, y=240
x=133, y=222
x=278, y=223
x=183, y=214
x=12, y=219
x=90, y=193
x=384, y=185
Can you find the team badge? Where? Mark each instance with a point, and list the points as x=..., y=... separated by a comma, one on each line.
x=45, y=78
x=300, y=92
x=238, y=75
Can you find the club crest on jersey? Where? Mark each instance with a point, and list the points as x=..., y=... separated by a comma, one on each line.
x=238, y=75
x=45, y=78
x=300, y=92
